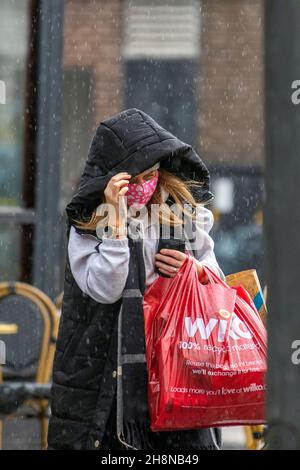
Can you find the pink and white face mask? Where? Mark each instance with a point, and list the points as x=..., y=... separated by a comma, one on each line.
x=141, y=193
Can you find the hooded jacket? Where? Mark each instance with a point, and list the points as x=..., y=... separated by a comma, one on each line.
x=84, y=375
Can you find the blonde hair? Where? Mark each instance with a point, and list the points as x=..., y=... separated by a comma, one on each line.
x=178, y=190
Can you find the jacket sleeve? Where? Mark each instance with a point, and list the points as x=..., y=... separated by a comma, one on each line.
x=204, y=244
x=100, y=274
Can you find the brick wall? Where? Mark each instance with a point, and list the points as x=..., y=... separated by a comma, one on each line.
x=92, y=38
x=231, y=83
x=231, y=70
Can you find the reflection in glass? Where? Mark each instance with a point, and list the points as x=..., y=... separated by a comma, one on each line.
x=13, y=54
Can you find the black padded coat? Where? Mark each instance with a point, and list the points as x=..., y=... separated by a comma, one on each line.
x=84, y=369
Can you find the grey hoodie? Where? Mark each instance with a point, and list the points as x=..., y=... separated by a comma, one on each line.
x=102, y=275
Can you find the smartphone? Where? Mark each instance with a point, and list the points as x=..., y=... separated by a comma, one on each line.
x=170, y=244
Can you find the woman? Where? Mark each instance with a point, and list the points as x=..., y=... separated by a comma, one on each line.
x=99, y=393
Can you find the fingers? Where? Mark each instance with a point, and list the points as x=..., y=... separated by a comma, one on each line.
x=118, y=176
x=167, y=272
x=123, y=191
x=167, y=261
x=118, y=184
x=118, y=181
x=170, y=263
x=167, y=268
x=173, y=253
x=175, y=258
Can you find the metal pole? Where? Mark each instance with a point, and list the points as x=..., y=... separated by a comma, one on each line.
x=282, y=221
x=49, y=117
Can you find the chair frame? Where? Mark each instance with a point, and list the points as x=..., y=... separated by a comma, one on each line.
x=50, y=318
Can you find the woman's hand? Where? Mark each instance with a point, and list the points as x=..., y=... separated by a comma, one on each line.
x=170, y=261
x=114, y=194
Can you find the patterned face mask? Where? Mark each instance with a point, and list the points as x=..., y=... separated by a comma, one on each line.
x=141, y=193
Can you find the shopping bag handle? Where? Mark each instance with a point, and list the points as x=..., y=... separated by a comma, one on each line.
x=214, y=279
x=212, y=276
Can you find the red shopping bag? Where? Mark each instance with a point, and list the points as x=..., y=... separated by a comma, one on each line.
x=206, y=353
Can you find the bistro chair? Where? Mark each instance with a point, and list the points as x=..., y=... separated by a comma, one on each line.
x=29, y=352
x=5, y=329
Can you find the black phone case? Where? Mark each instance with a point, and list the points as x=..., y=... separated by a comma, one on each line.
x=170, y=244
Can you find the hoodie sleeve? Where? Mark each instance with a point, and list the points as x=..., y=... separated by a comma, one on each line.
x=204, y=244
x=102, y=275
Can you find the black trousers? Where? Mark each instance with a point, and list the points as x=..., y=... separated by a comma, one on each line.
x=192, y=439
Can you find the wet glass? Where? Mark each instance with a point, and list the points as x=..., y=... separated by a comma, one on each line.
x=14, y=33
x=13, y=55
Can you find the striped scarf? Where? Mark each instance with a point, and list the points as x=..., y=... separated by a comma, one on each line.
x=133, y=419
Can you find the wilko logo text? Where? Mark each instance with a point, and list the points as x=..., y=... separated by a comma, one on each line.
x=237, y=328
